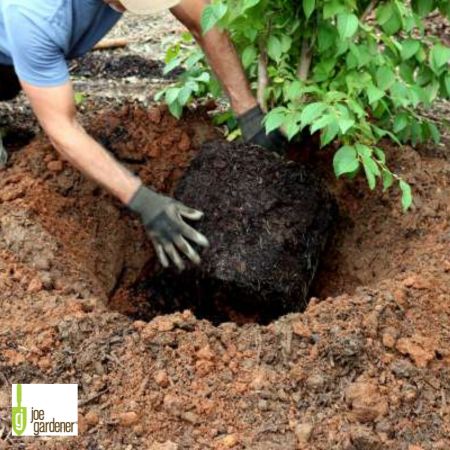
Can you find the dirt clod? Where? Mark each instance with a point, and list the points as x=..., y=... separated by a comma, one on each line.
x=92, y=418
x=168, y=445
x=128, y=419
x=161, y=378
x=303, y=431
x=419, y=348
x=366, y=401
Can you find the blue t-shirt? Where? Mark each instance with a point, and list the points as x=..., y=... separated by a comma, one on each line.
x=37, y=37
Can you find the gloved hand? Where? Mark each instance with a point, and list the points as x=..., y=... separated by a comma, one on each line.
x=253, y=131
x=3, y=154
x=163, y=219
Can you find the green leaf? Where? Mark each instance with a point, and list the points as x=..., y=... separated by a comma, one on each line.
x=292, y=127
x=332, y=8
x=394, y=23
x=286, y=43
x=292, y=91
x=172, y=94
x=434, y=132
x=172, y=52
x=324, y=121
x=388, y=179
x=329, y=133
x=406, y=194
x=326, y=37
x=363, y=150
x=184, y=95
x=371, y=170
x=79, y=98
x=274, y=119
x=193, y=60
x=159, y=95
x=400, y=123
x=215, y=87
x=385, y=77
x=416, y=132
x=356, y=108
x=409, y=48
x=204, y=77
x=389, y=17
x=308, y=7
x=345, y=160
x=186, y=37
x=423, y=7
x=312, y=112
x=374, y=94
x=347, y=25
x=439, y=56
x=380, y=154
x=249, y=4
x=274, y=48
x=407, y=72
x=345, y=124
x=384, y=12
x=249, y=56
x=176, y=109
x=211, y=15
x=176, y=62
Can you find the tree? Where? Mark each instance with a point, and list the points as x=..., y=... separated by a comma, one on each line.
x=355, y=71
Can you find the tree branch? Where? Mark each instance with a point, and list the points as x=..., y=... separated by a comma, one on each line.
x=263, y=79
x=369, y=10
x=305, y=61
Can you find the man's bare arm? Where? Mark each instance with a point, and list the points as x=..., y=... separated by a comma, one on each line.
x=162, y=217
x=55, y=110
x=221, y=55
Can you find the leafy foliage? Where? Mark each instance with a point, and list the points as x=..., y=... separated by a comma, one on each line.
x=354, y=70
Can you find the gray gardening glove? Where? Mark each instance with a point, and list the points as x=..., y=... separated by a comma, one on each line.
x=3, y=154
x=253, y=131
x=163, y=219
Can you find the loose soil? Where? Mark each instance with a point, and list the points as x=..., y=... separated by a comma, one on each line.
x=111, y=65
x=365, y=366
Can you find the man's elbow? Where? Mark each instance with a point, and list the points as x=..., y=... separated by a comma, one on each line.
x=62, y=134
x=189, y=13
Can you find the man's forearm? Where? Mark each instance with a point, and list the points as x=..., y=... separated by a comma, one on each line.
x=225, y=62
x=80, y=149
x=55, y=109
x=221, y=55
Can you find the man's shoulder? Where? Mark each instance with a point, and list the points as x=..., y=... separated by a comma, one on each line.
x=26, y=5
x=39, y=11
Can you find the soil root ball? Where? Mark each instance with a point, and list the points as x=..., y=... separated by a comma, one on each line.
x=267, y=219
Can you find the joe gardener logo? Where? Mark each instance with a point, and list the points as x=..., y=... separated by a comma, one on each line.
x=44, y=409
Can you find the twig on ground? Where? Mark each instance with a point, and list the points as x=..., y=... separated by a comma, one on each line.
x=107, y=44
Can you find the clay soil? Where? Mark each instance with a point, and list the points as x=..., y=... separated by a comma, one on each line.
x=366, y=366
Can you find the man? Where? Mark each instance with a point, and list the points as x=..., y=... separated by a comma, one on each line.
x=37, y=38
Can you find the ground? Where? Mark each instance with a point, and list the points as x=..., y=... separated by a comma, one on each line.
x=365, y=366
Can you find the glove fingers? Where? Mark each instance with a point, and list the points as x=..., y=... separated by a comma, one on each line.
x=184, y=246
x=161, y=255
x=192, y=234
x=170, y=249
x=190, y=213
